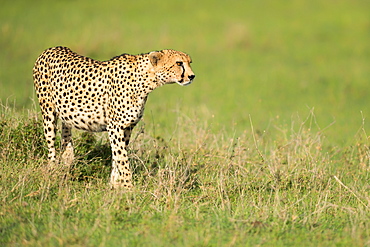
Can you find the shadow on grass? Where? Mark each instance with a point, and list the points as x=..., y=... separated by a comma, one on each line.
x=93, y=158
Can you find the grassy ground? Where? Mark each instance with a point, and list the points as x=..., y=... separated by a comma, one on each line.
x=197, y=189
x=268, y=146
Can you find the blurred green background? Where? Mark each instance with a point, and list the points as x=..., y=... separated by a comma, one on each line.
x=270, y=61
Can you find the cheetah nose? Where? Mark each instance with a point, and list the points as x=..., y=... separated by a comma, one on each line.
x=191, y=77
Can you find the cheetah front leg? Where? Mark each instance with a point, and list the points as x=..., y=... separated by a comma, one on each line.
x=67, y=145
x=121, y=176
x=127, y=133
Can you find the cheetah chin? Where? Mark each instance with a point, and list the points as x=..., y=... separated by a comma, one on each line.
x=187, y=83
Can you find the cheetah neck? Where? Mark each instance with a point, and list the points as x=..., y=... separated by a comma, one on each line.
x=136, y=72
x=132, y=79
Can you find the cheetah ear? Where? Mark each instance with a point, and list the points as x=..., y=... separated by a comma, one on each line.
x=155, y=56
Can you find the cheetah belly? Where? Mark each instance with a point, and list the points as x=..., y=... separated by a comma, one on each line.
x=84, y=117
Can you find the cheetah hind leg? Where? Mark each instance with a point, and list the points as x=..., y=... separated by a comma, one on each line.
x=67, y=146
x=50, y=125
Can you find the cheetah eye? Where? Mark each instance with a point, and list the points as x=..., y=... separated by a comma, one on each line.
x=179, y=63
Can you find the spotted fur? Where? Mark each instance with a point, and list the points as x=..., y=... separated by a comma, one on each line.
x=99, y=96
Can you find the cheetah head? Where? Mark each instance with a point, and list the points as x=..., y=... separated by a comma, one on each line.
x=172, y=66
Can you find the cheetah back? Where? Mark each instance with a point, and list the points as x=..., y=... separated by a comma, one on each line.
x=74, y=87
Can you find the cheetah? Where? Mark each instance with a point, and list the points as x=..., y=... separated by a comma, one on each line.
x=96, y=96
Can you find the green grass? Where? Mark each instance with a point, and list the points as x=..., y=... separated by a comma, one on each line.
x=197, y=189
x=268, y=146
